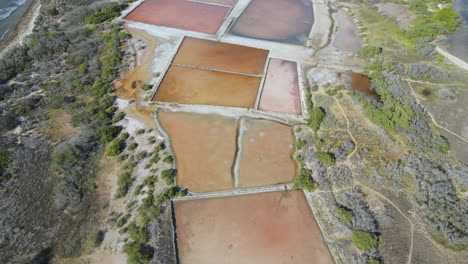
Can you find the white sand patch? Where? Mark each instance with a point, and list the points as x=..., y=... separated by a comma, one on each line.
x=122, y=103
x=321, y=76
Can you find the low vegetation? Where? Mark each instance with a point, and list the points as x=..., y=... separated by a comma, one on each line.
x=365, y=240
x=304, y=180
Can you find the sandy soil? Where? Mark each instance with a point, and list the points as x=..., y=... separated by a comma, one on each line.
x=204, y=147
x=281, y=88
x=275, y=227
x=205, y=18
x=287, y=21
x=59, y=126
x=347, y=37
x=194, y=86
x=267, y=148
x=399, y=12
x=221, y=56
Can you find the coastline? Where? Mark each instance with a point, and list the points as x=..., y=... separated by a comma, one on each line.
x=24, y=26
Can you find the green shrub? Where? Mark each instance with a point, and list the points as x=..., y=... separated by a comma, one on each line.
x=138, y=234
x=447, y=17
x=4, y=162
x=316, y=118
x=169, y=195
x=147, y=87
x=168, y=159
x=132, y=146
x=304, y=180
x=118, y=117
x=108, y=133
x=365, y=240
x=370, y=51
x=326, y=158
x=168, y=176
x=115, y=148
x=137, y=253
x=374, y=261
x=106, y=14
x=141, y=155
x=160, y=147
x=150, y=181
x=122, y=221
x=95, y=238
x=300, y=144
x=345, y=215
x=53, y=11
x=151, y=140
x=155, y=159
x=124, y=181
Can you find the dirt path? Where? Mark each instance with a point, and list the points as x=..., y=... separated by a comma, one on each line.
x=432, y=117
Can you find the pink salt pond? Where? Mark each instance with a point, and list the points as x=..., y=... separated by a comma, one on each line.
x=181, y=14
x=281, y=88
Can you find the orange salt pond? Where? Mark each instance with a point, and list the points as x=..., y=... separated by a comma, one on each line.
x=287, y=21
x=181, y=14
x=281, y=88
x=221, y=56
x=195, y=86
x=204, y=147
x=267, y=149
x=274, y=228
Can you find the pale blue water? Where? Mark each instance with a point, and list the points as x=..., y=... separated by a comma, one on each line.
x=457, y=43
x=10, y=13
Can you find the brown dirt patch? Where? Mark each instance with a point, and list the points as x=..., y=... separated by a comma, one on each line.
x=194, y=86
x=59, y=126
x=281, y=88
x=187, y=15
x=276, y=227
x=204, y=147
x=266, y=154
x=277, y=20
x=221, y=56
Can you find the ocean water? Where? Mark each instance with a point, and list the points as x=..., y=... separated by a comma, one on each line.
x=10, y=13
x=457, y=42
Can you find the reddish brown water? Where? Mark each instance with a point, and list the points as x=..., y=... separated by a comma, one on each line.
x=221, y=56
x=181, y=14
x=273, y=228
x=277, y=20
x=281, y=88
x=204, y=147
x=266, y=155
x=194, y=86
x=361, y=83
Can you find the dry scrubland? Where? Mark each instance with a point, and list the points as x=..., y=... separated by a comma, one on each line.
x=92, y=170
